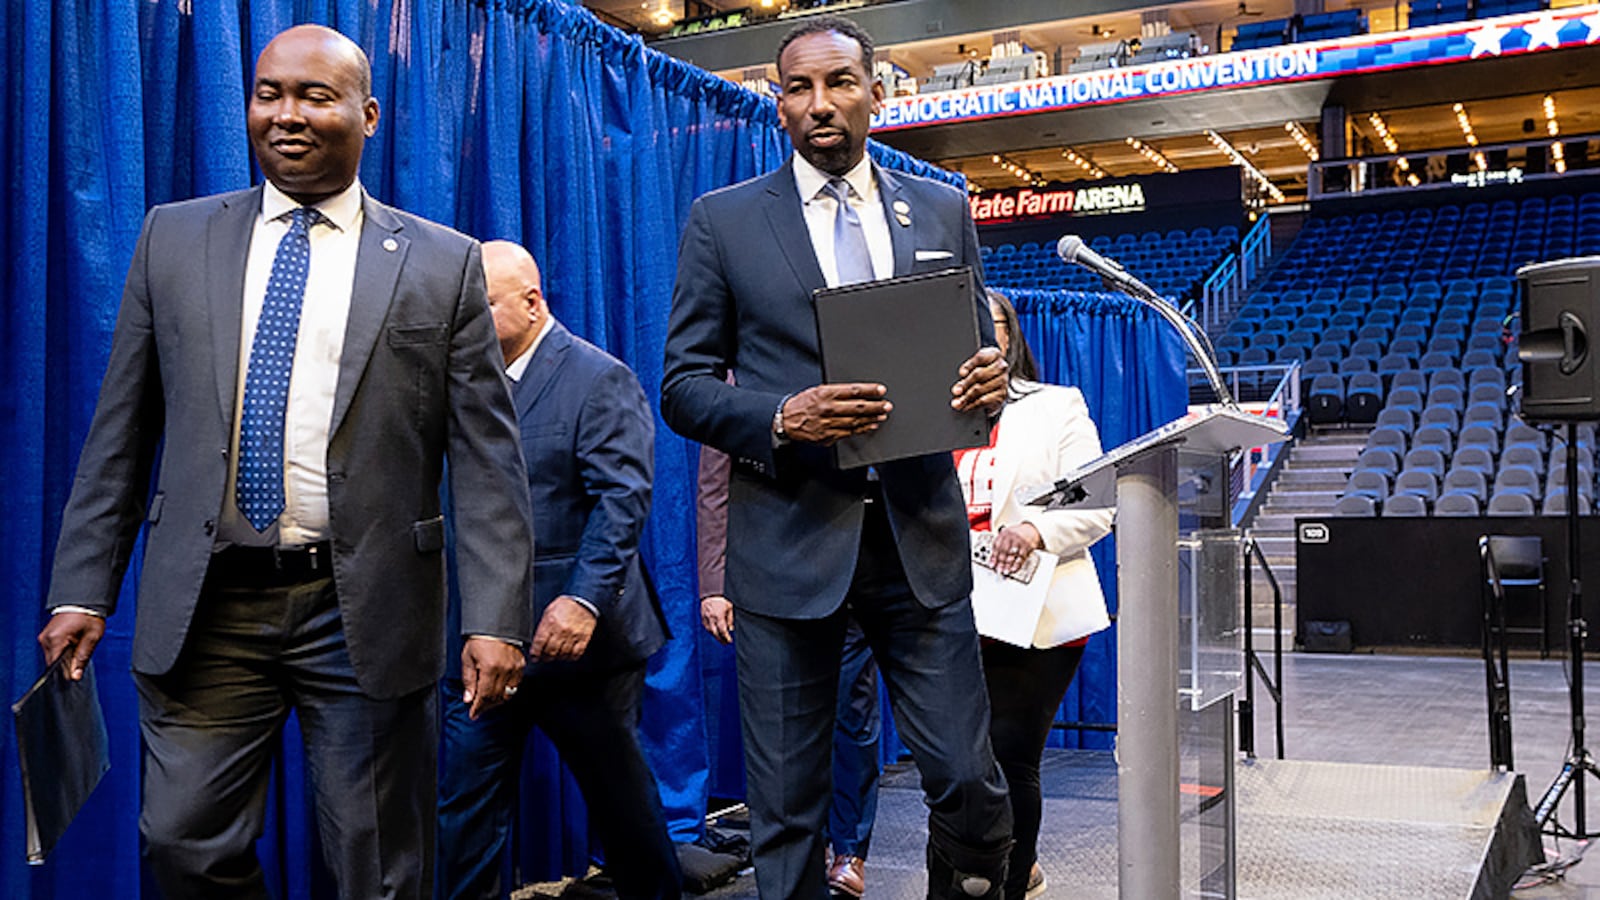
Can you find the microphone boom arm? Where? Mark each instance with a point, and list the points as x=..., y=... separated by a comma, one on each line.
x=1072, y=249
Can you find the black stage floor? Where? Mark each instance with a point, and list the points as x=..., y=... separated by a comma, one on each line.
x=1385, y=793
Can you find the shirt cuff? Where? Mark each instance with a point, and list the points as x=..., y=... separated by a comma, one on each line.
x=504, y=640
x=779, y=439
x=593, y=610
x=69, y=608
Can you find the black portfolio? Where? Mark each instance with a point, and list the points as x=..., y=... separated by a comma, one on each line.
x=63, y=750
x=910, y=334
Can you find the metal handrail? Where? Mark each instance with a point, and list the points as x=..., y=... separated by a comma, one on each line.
x=1252, y=662
x=1255, y=249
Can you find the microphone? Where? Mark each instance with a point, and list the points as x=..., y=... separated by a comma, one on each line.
x=1074, y=252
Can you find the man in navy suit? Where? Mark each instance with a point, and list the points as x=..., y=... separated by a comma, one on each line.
x=815, y=545
x=291, y=366
x=588, y=438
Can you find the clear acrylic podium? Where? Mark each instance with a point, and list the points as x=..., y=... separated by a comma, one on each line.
x=1179, y=662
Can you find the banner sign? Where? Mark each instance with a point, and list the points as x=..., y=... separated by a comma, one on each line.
x=1434, y=45
x=1029, y=203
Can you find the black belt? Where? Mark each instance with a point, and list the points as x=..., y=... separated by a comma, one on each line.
x=283, y=565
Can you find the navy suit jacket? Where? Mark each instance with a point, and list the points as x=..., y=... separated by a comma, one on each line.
x=742, y=302
x=420, y=378
x=588, y=437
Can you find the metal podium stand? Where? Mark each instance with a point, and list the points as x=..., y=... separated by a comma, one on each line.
x=1141, y=478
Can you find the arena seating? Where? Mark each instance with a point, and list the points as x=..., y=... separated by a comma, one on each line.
x=1401, y=320
x=1175, y=264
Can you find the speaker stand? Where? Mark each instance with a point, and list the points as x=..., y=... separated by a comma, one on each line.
x=1580, y=765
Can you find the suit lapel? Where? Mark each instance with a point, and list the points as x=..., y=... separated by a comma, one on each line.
x=789, y=232
x=542, y=367
x=378, y=261
x=897, y=212
x=227, y=250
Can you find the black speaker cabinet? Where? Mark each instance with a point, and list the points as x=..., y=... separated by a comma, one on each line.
x=1560, y=373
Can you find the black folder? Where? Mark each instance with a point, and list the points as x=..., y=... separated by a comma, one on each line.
x=910, y=334
x=63, y=750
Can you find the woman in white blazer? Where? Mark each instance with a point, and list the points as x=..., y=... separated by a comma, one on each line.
x=1043, y=432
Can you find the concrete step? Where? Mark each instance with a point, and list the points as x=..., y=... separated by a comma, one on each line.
x=1267, y=524
x=1306, y=505
x=1312, y=479
x=1317, y=453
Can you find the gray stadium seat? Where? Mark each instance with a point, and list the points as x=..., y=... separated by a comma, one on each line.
x=1379, y=459
x=1417, y=481
x=1523, y=455
x=1398, y=418
x=1480, y=459
x=1512, y=503
x=1455, y=503
x=1518, y=478
x=1368, y=483
x=1467, y=481
x=1405, y=505
x=1426, y=459
x=1355, y=505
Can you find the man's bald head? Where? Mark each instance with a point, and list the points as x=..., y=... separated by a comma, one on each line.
x=515, y=297
x=334, y=44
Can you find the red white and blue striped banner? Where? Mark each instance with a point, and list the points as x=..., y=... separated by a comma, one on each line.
x=1448, y=43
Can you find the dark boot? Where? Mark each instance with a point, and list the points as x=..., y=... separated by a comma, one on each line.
x=965, y=874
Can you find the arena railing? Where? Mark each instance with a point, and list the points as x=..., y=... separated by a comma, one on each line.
x=1485, y=164
x=1231, y=280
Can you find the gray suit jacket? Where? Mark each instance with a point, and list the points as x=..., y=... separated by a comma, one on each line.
x=742, y=302
x=420, y=378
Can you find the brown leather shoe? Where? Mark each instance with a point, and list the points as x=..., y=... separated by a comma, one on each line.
x=847, y=877
x=1036, y=883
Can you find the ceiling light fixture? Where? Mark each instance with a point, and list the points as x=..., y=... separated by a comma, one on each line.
x=1234, y=156
x=1303, y=139
x=1558, y=152
x=1082, y=162
x=1152, y=154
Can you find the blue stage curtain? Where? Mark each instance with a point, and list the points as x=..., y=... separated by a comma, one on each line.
x=1129, y=364
x=523, y=120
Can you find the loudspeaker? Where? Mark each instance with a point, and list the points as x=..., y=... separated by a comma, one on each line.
x=1560, y=376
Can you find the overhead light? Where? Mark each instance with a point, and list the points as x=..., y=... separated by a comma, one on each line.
x=1465, y=121
x=1255, y=174
x=663, y=16
x=1558, y=153
x=1382, y=128
x=1303, y=139
x=1076, y=159
x=1152, y=154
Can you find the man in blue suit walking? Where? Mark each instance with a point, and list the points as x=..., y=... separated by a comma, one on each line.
x=816, y=545
x=588, y=438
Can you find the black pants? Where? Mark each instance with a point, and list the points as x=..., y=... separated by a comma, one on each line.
x=788, y=693
x=211, y=727
x=1025, y=690
x=592, y=718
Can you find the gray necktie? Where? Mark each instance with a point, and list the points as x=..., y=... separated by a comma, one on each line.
x=849, y=240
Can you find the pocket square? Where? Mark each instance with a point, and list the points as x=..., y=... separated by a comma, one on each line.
x=930, y=255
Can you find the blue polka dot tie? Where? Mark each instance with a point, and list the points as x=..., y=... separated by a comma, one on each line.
x=850, y=254
x=259, y=491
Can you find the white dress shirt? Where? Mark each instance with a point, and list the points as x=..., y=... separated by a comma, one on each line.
x=519, y=366
x=314, y=375
x=820, y=209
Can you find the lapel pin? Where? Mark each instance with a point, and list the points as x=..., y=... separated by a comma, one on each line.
x=390, y=244
x=903, y=219
x=901, y=207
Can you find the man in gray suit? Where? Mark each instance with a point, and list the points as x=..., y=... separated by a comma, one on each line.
x=818, y=545
x=293, y=363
